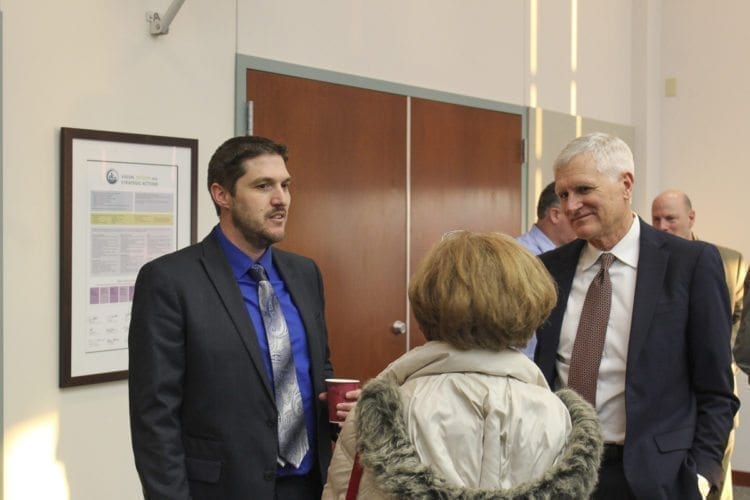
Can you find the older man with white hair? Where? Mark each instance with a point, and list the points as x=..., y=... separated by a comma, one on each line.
x=641, y=329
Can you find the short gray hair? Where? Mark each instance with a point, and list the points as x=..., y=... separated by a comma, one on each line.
x=611, y=155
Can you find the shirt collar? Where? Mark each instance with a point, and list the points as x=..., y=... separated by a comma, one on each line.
x=544, y=242
x=626, y=250
x=238, y=260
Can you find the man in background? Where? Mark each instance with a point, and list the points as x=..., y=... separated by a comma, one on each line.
x=641, y=329
x=551, y=230
x=672, y=212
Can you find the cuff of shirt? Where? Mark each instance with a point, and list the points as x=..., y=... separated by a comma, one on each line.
x=703, y=486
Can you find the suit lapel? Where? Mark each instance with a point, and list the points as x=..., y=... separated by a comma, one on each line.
x=293, y=280
x=561, y=264
x=563, y=270
x=652, y=266
x=304, y=284
x=218, y=271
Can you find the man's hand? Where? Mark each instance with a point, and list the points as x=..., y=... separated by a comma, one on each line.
x=343, y=409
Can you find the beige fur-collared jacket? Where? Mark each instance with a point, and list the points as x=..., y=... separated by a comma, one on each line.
x=443, y=423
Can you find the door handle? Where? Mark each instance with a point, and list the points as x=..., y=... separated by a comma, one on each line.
x=398, y=327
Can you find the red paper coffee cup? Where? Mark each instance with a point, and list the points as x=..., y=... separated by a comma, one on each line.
x=337, y=389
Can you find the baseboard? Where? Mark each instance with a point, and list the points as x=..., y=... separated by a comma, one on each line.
x=740, y=478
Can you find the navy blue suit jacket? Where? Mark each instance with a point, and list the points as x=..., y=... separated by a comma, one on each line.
x=678, y=385
x=202, y=410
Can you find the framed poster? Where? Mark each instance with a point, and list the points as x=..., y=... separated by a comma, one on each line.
x=126, y=199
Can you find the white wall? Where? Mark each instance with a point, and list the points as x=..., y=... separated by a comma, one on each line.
x=480, y=48
x=705, y=129
x=86, y=64
x=424, y=43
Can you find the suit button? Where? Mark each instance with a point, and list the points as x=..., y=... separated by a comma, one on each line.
x=269, y=475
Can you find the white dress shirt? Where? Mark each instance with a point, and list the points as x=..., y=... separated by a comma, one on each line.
x=610, y=387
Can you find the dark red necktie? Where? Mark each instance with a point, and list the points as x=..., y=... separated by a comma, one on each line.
x=592, y=328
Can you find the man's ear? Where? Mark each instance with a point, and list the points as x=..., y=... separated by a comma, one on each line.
x=554, y=214
x=221, y=196
x=627, y=183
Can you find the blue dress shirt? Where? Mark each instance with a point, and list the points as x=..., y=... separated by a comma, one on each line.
x=240, y=264
x=537, y=243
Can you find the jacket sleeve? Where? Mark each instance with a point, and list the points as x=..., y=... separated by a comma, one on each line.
x=709, y=324
x=739, y=279
x=156, y=367
x=742, y=344
x=340, y=469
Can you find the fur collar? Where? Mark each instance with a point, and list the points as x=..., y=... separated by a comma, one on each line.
x=385, y=450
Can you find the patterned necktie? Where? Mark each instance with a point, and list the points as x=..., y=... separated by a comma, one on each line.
x=291, y=424
x=592, y=327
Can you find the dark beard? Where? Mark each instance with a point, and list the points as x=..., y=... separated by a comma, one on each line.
x=256, y=238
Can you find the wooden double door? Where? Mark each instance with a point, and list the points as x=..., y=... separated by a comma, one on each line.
x=377, y=178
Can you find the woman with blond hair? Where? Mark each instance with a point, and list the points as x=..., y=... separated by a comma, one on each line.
x=467, y=415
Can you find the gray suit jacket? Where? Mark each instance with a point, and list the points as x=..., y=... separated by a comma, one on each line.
x=202, y=411
x=742, y=344
x=735, y=270
x=678, y=381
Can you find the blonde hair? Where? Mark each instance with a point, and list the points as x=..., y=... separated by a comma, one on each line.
x=481, y=291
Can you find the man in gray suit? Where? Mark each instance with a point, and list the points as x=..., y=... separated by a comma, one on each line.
x=551, y=228
x=203, y=403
